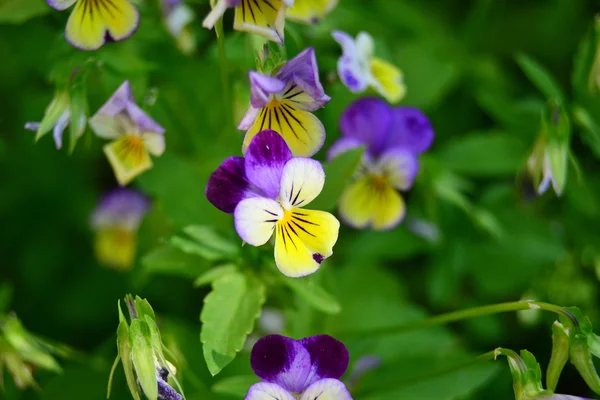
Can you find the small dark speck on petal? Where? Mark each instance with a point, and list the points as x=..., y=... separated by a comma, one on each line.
x=318, y=258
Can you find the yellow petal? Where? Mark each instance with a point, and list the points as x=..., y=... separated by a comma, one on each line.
x=120, y=16
x=310, y=11
x=387, y=80
x=303, y=239
x=85, y=27
x=301, y=130
x=371, y=201
x=263, y=17
x=116, y=247
x=128, y=157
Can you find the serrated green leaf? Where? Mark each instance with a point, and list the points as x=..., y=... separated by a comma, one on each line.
x=213, y=274
x=337, y=174
x=235, y=385
x=143, y=357
x=124, y=349
x=313, y=294
x=541, y=78
x=228, y=316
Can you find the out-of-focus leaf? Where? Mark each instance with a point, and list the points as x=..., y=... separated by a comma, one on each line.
x=214, y=273
x=169, y=260
x=207, y=236
x=235, y=385
x=19, y=11
x=541, y=78
x=590, y=130
x=313, y=294
x=228, y=316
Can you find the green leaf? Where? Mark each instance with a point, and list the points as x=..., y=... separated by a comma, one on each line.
x=559, y=357
x=484, y=154
x=337, y=174
x=228, y=316
x=235, y=385
x=143, y=357
x=313, y=294
x=144, y=308
x=79, y=108
x=19, y=11
x=590, y=132
x=191, y=247
x=124, y=348
x=541, y=78
x=169, y=260
x=215, y=273
x=207, y=236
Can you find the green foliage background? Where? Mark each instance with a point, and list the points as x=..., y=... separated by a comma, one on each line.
x=496, y=243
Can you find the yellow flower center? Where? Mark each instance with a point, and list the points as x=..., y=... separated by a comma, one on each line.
x=378, y=183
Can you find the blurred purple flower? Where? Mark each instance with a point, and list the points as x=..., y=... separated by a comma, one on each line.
x=393, y=138
x=177, y=17
x=305, y=369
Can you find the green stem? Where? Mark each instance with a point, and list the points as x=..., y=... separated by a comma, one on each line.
x=224, y=66
x=466, y=314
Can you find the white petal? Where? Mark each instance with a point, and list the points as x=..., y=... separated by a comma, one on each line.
x=255, y=219
x=155, y=143
x=365, y=45
x=267, y=391
x=302, y=180
x=216, y=13
x=326, y=389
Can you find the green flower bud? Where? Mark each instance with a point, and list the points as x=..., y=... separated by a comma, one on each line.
x=581, y=357
x=560, y=354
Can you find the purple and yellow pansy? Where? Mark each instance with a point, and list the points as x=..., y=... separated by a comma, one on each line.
x=393, y=138
x=304, y=369
x=134, y=135
x=92, y=22
x=358, y=69
x=267, y=191
x=263, y=17
x=285, y=102
x=116, y=220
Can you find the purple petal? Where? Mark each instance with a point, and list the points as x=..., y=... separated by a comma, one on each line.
x=118, y=101
x=233, y=3
x=411, y=129
x=264, y=390
x=351, y=68
x=60, y=4
x=368, y=120
x=142, y=120
x=59, y=128
x=400, y=166
x=303, y=70
x=341, y=146
x=120, y=207
x=249, y=118
x=265, y=158
x=166, y=392
x=261, y=86
x=281, y=360
x=329, y=357
x=227, y=186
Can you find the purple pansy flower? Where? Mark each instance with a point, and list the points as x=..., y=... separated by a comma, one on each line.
x=135, y=135
x=284, y=103
x=393, y=138
x=116, y=220
x=263, y=17
x=265, y=191
x=177, y=17
x=304, y=369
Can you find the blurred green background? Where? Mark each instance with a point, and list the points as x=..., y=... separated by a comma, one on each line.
x=494, y=240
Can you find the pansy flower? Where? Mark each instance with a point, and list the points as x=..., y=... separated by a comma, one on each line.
x=284, y=103
x=56, y=118
x=304, y=369
x=310, y=11
x=177, y=17
x=135, y=135
x=263, y=17
x=358, y=69
x=92, y=22
x=116, y=220
x=393, y=138
x=266, y=192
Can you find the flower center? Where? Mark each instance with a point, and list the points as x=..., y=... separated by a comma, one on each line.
x=378, y=182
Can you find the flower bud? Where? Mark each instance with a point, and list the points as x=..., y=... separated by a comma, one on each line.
x=560, y=354
x=581, y=357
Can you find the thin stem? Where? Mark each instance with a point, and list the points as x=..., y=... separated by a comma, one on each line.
x=467, y=314
x=224, y=66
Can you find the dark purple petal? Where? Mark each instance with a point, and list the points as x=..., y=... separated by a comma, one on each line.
x=233, y=3
x=227, y=186
x=261, y=86
x=265, y=158
x=166, y=392
x=368, y=120
x=281, y=360
x=411, y=129
x=303, y=70
x=328, y=356
x=120, y=207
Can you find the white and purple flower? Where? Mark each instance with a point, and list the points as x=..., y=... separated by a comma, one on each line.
x=393, y=138
x=135, y=135
x=265, y=191
x=177, y=17
x=358, y=69
x=284, y=103
x=304, y=369
x=116, y=220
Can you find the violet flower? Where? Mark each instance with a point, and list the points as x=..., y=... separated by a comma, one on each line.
x=263, y=17
x=116, y=220
x=284, y=103
x=393, y=138
x=265, y=192
x=135, y=135
x=93, y=21
x=304, y=369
